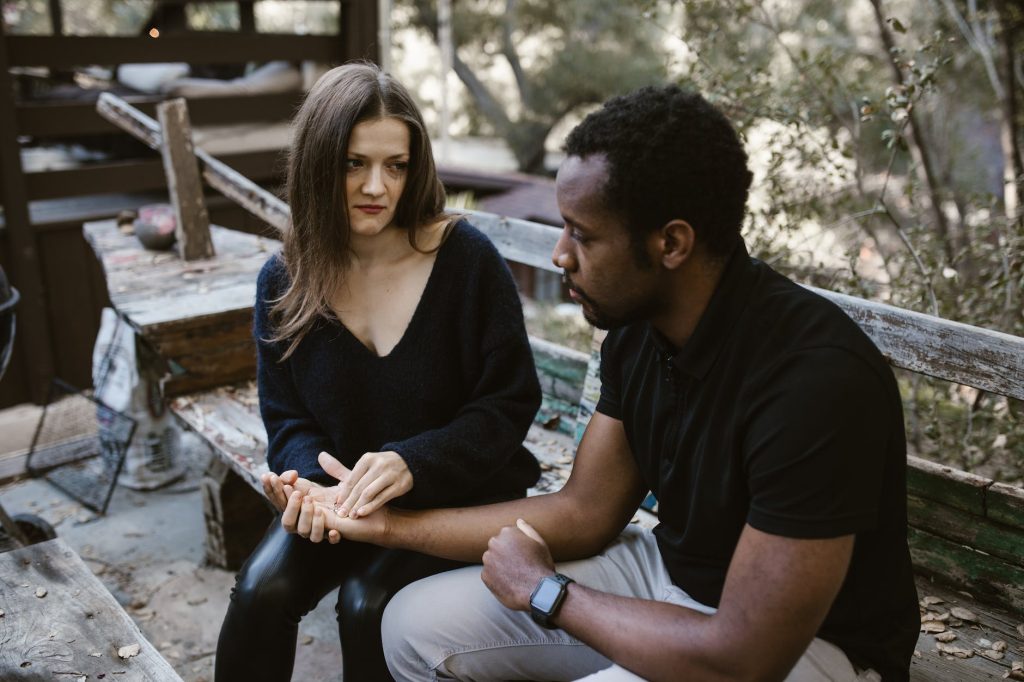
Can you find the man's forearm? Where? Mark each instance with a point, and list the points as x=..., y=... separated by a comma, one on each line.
x=655, y=640
x=462, y=534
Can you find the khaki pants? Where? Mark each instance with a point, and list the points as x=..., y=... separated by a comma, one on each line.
x=450, y=627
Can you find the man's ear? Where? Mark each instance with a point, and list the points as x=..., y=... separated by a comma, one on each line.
x=677, y=242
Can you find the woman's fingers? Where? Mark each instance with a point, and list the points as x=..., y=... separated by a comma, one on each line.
x=290, y=516
x=351, y=487
x=333, y=467
x=369, y=504
x=316, y=533
x=305, y=522
x=371, y=492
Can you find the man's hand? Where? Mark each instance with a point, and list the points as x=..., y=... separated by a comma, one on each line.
x=376, y=479
x=517, y=558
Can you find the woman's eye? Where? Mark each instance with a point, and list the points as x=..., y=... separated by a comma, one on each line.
x=400, y=166
x=353, y=164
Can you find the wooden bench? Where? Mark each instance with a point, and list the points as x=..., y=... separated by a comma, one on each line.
x=967, y=532
x=58, y=621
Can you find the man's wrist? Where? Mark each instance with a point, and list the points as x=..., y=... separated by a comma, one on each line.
x=548, y=597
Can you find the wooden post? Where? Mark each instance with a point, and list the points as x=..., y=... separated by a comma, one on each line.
x=34, y=339
x=359, y=29
x=236, y=516
x=220, y=176
x=186, y=189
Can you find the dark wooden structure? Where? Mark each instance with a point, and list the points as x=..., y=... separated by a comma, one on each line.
x=41, y=244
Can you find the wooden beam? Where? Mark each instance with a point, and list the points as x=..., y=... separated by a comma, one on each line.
x=183, y=183
x=206, y=47
x=74, y=119
x=33, y=340
x=221, y=177
x=359, y=25
x=134, y=176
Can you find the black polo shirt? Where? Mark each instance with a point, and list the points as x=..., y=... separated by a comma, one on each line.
x=781, y=413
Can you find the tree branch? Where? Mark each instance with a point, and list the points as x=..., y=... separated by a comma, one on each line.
x=489, y=106
x=508, y=49
x=919, y=148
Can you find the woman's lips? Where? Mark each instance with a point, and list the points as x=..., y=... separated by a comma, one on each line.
x=370, y=209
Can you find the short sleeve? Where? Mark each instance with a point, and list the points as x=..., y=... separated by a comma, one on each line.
x=815, y=445
x=609, y=403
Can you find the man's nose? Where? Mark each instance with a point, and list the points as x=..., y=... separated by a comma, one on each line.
x=562, y=255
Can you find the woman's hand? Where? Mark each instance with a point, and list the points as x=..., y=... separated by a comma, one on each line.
x=376, y=479
x=317, y=521
x=279, y=488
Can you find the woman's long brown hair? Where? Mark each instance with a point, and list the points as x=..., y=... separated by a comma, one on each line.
x=316, y=245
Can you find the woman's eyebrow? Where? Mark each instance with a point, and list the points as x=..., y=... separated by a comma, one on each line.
x=392, y=156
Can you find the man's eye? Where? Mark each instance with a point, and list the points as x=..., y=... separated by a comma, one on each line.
x=577, y=236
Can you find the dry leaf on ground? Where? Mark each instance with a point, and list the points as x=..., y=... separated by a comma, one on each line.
x=129, y=650
x=934, y=616
x=946, y=636
x=928, y=600
x=999, y=645
x=932, y=627
x=954, y=650
x=963, y=614
x=991, y=654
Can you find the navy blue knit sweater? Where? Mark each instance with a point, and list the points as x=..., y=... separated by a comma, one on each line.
x=454, y=398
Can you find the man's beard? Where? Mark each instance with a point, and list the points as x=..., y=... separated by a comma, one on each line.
x=596, y=316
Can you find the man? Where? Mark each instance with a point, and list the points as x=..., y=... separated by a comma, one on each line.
x=763, y=419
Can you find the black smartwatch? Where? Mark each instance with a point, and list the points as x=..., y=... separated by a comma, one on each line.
x=546, y=599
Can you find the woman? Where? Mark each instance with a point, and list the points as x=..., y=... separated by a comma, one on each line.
x=390, y=336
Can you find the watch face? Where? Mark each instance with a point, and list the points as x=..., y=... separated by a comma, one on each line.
x=547, y=593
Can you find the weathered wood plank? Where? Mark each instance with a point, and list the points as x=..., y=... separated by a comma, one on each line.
x=1005, y=504
x=75, y=118
x=186, y=190
x=944, y=349
x=978, y=532
x=61, y=633
x=560, y=370
x=519, y=240
x=987, y=577
x=959, y=489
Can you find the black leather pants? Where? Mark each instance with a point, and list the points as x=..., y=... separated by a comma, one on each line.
x=286, y=577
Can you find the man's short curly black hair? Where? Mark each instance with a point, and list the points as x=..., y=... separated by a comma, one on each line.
x=671, y=155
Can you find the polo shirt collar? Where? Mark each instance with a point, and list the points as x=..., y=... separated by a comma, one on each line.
x=731, y=296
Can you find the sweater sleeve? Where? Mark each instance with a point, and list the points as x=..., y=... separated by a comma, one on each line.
x=294, y=439
x=490, y=427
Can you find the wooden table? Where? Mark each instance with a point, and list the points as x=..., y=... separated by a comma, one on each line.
x=60, y=622
x=196, y=315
